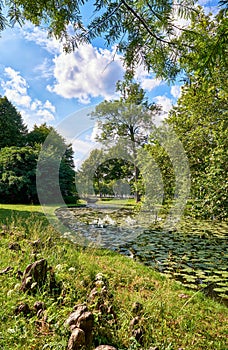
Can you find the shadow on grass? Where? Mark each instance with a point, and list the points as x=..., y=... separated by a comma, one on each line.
x=10, y=216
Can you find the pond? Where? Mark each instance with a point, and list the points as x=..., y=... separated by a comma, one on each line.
x=198, y=260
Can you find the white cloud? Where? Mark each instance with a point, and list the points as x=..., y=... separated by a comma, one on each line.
x=96, y=132
x=82, y=150
x=175, y=91
x=49, y=106
x=40, y=37
x=45, y=115
x=146, y=79
x=45, y=69
x=36, y=105
x=82, y=147
x=15, y=88
x=165, y=102
x=86, y=73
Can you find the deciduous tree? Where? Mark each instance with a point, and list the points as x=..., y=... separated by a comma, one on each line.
x=12, y=128
x=126, y=123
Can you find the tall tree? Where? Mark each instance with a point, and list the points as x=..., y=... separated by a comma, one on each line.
x=18, y=174
x=201, y=121
x=18, y=168
x=126, y=123
x=100, y=172
x=57, y=156
x=12, y=129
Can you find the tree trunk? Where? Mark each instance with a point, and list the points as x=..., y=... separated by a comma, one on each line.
x=136, y=170
x=137, y=194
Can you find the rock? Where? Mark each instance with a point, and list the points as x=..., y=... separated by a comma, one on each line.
x=77, y=339
x=82, y=319
x=22, y=308
x=35, y=275
x=82, y=307
x=105, y=347
x=74, y=316
x=40, y=313
x=138, y=335
x=39, y=305
x=7, y=269
x=93, y=294
x=137, y=308
x=14, y=246
x=134, y=322
x=19, y=274
x=85, y=322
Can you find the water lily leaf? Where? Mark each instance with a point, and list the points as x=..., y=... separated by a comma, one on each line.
x=189, y=278
x=220, y=289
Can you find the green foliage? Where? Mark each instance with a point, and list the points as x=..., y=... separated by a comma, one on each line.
x=55, y=171
x=12, y=129
x=18, y=174
x=206, y=47
x=201, y=122
x=100, y=173
x=144, y=31
x=125, y=124
x=39, y=134
x=158, y=171
x=18, y=164
x=128, y=118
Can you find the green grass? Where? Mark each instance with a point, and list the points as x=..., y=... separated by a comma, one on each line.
x=130, y=202
x=172, y=317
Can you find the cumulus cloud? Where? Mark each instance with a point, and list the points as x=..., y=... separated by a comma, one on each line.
x=165, y=102
x=82, y=147
x=96, y=132
x=86, y=73
x=45, y=69
x=82, y=150
x=146, y=79
x=39, y=36
x=175, y=91
x=15, y=87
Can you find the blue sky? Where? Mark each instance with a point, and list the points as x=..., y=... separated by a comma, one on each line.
x=47, y=85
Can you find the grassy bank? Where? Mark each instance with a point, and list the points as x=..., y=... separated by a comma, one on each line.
x=171, y=316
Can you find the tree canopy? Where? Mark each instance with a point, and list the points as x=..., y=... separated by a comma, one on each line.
x=19, y=154
x=200, y=120
x=18, y=174
x=125, y=124
x=12, y=128
x=101, y=173
x=144, y=31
